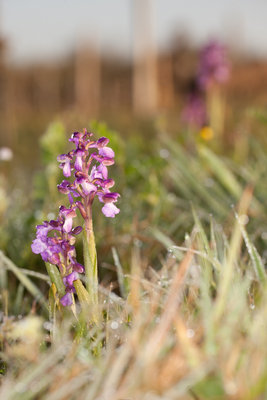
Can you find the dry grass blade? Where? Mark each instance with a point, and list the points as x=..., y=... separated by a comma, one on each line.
x=154, y=344
x=232, y=257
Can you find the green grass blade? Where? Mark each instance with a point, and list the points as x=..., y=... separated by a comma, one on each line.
x=25, y=281
x=254, y=255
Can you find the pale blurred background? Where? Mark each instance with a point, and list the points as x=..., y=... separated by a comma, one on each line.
x=120, y=61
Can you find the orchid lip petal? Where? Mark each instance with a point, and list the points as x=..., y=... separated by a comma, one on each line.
x=78, y=165
x=88, y=187
x=110, y=210
x=38, y=246
x=106, y=152
x=67, y=169
x=67, y=226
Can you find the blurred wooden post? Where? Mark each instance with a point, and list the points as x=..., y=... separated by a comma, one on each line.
x=145, y=87
x=166, y=95
x=87, y=80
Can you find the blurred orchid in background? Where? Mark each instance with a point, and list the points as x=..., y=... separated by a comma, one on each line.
x=213, y=65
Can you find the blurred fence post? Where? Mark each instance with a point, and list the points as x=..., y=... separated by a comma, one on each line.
x=87, y=84
x=145, y=85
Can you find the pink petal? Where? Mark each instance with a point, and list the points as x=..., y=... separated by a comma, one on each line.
x=106, y=152
x=110, y=210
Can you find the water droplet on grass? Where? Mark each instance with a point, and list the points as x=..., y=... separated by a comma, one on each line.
x=164, y=153
x=209, y=182
x=48, y=325
x=244, y=219
x=20, y=387
x=51, y=215
x=190, y=333
x=114, y=325
x=230, y=388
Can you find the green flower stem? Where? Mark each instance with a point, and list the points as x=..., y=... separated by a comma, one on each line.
x=90, y=259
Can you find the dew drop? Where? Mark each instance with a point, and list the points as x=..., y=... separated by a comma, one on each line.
x=209, y=182
x=164, y=153
x=38, y=214
x=187, y=236
x=20, y=387
x=48, y=325
x=190, y=333
x=137, y=243
x=244, y=219
x=230, y=388
x=114, y=325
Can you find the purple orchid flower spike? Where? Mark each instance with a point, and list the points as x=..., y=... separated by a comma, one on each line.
x=55, y=240
x=214, y=66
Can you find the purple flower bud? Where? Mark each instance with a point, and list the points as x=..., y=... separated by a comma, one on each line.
x=69, y=279
x=81, y=209
x=76, y=137
x=54, y=224
x=102, y=142
x=78, y=267
x=66, y=300
x=110, y=197
x=77, y=230
x=64, y=187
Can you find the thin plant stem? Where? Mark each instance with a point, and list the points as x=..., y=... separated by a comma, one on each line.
x=90, y=259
